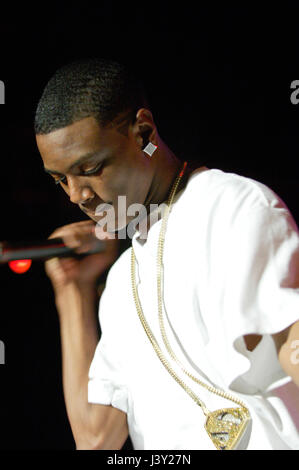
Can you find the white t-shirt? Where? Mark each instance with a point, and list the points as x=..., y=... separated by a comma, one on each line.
x=231, y=268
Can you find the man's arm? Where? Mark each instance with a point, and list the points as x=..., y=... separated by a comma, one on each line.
x=93, y=426
x=287, y=345
x=74, y=283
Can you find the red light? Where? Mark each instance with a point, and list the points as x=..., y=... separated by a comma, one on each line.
x=20, y=266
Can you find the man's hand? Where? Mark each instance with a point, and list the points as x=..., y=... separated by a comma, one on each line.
x=287, y=345
x=81, y=237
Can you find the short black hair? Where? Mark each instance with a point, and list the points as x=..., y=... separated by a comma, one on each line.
x=96, y=87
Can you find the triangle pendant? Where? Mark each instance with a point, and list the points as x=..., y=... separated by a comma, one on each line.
x=227, y=427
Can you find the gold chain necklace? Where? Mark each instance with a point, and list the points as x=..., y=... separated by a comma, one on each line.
x=226, y=427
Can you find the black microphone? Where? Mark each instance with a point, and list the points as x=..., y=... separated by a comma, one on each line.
x=10, y=251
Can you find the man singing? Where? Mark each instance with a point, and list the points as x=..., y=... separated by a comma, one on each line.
x=200, y=316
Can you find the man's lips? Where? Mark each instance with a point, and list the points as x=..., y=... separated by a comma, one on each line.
x=87, y=211
x=98, y=210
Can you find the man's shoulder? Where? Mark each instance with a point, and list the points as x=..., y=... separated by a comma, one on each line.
x=116, y=290
x=120, y=266
x=229, y=190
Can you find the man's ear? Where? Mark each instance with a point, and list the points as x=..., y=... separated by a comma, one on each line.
x=144, y=128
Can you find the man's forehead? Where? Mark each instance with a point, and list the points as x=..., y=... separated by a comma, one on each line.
x=63, y=148
x=67, y=145
x=72, y=135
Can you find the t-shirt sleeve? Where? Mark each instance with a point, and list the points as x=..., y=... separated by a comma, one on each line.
x=258, y=280
x=263, y=276
x=106, y=384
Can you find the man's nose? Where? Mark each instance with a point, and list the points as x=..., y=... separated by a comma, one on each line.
x=79, y=192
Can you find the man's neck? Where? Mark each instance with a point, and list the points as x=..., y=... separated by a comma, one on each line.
x=167, y=168
x=155, y=210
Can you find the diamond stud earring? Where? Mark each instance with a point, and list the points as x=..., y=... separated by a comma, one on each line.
x=150, y=149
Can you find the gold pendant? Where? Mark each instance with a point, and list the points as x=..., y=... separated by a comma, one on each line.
x=227, y=427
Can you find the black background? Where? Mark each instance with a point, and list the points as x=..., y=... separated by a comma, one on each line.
x=218, y=78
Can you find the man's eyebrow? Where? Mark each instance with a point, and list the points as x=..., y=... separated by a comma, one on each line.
x=81, y=160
